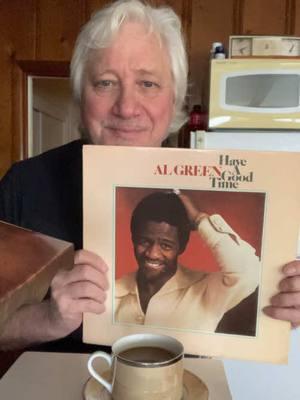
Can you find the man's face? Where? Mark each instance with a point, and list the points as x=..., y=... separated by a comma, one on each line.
x=127, y=94
x=156, y=250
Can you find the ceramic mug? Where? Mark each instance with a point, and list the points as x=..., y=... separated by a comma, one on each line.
x=143, y=366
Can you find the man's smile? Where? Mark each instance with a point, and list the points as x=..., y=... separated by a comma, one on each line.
x=154, y=264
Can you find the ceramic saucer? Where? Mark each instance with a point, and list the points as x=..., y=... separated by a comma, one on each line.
x=194, y=388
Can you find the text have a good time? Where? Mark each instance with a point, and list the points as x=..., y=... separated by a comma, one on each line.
x=227, y=174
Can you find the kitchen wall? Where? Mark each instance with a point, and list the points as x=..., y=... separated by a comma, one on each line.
x=45, y=30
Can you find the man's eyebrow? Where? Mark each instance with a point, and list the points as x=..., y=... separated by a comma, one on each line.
x=143, y=71
x=168, y=241
x=162, y=239
x=98, y=72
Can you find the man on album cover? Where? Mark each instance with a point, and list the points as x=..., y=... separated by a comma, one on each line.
x=164, y=293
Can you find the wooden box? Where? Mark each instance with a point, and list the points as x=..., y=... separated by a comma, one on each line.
x=28, y=262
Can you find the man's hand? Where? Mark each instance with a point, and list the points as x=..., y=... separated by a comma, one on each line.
x=194, y=215
x=82, y=289
x=285, y=305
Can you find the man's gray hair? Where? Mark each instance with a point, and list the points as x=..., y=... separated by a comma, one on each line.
x=100, y=30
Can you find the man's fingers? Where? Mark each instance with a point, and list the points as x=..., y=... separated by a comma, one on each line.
x=286, y=304
x=89, y=305
x=191, y=209
x=291, y=284
x=286, y=300
x=81, y=273
x=65, y=300
x=85, y=257
x=80, y=306
x=290, y=314
x=292, y=268
x=86, y=290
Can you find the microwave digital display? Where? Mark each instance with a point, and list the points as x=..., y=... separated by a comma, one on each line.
x=254, y=94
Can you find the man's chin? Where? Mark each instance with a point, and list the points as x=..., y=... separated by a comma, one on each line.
x=119, y=137
x=127, y=138
x=152, y=273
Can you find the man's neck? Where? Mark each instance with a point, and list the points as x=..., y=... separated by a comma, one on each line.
x=148, y=288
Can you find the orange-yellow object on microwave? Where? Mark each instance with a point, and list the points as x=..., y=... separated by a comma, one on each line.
x=255, y=94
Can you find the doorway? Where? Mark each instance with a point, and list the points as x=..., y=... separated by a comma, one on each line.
x=53, y=115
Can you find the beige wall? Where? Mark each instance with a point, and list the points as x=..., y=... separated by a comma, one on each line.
x=45, y=30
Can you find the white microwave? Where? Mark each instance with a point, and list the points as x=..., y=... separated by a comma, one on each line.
x=254, y=94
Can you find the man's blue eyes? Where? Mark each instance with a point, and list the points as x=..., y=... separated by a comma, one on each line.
x=149, y=84
x=105, y=83
x=110, y=84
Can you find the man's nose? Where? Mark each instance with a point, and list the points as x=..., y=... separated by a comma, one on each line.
x=126, y=104
x=153, y=251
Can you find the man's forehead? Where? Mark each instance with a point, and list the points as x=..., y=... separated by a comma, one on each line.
x=134, y=43
x=146, y=65
x=162, y=227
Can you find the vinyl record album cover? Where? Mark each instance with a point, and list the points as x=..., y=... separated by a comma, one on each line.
x=195, y=241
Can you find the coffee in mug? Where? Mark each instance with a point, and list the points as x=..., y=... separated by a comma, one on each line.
x=143, y=366
x=146, y=354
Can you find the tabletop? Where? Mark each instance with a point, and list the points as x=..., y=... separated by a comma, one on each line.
x=61, y=376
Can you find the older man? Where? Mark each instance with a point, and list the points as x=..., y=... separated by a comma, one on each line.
x=129, y=74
